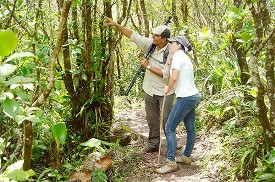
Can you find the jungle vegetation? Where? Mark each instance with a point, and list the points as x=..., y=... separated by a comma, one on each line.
x=62, y=71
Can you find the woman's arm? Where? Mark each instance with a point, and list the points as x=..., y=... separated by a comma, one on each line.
x=173, y=81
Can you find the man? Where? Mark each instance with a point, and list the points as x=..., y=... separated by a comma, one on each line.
x=155, y=79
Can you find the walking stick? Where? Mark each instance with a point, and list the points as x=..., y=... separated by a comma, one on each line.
x=160, y=126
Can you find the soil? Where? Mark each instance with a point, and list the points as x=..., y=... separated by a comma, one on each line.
x=134, y=118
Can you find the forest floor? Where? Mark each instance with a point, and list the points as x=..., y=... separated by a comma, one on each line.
x=144, y=170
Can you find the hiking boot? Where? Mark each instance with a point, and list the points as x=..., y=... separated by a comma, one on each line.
x=150, y=149
x=183, y=159
x=169, y=167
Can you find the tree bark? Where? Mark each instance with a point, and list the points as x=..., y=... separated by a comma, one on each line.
x=174, y=14
x=145, y=17
x=27, y=145
x=261, y=24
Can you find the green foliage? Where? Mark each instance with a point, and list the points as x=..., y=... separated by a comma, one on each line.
x=96, y=144
x=15, y=172
x=265, y=170
x=60, y=132
x=226, y=105
x=8, y=42
x=15, y=86
x=99, y=175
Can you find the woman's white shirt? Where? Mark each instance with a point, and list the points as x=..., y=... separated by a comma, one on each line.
x=185, y=85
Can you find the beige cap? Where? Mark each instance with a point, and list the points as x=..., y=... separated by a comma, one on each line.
x=161, y=30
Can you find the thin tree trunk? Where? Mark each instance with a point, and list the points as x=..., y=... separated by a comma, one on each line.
x=262, y=23
x=27, y=145
x=145, y=17
x=241, y=53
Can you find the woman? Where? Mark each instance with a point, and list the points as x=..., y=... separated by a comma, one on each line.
x=182, y=79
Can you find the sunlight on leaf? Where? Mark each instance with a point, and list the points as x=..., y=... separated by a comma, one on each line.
x=9, y=95
x=15, y=166
x=11, y=108
x=33, y=118
x=6, y=69
x=20, y=55
x=19, y=79
x=254, y=92
x=93, y=142
x=2, y=97
x=20, y=175
x=8, y=42
x=206, y=32
x=28, y=86
x=19, y=119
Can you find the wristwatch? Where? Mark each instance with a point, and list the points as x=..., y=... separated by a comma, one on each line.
x=148, y=67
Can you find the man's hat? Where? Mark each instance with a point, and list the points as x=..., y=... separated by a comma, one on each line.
x=183, y=41
x=161, y=30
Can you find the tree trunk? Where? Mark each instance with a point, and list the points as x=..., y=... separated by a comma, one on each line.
x=27, y=145
x=262, y=26
x=241, y=53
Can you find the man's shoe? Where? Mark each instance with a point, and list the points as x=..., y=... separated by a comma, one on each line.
x=169, y=167
x=150, y=149
x=183, y=159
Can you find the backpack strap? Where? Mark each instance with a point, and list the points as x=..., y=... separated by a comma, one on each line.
x=165, y=54
x=152, y=48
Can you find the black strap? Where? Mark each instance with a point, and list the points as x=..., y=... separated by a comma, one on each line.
x=152, y=48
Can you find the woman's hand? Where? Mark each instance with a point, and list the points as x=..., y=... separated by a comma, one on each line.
x=166, y=90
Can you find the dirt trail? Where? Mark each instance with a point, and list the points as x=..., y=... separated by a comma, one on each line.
x=135, y=119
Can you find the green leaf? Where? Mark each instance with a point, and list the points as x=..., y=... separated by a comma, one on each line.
x=6, y=69
x=20, y=175
x=13, y=86
x=254, y=1
x=60, y=132
x=25, y=70
x=33, y=118
x=22, y=95
x=8, y=42
x=272, y=160
x=254, y=92
x=2, y=80
x=11, y=108
x=2, y=97
x=19, y=79
x=267, y=176
x=93, y=142
x=15, y=166
x=19, y=119
x=21, y=55
x=9, y=95
x=28, y=86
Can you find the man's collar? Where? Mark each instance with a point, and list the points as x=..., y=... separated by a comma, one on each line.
x=163, y=48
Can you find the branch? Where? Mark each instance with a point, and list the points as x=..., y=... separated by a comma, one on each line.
x=63, y=20
x=261, y=46
x=11, y=14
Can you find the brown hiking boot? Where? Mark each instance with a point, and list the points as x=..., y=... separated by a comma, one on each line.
x=169, y=167
x=150, y=149
x=183, y=159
